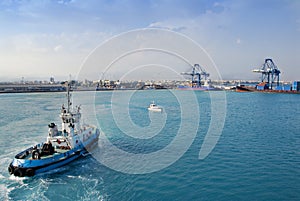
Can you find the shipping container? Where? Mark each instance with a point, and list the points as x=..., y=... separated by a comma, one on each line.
x=296, y=83
x=286, y=87
x=296, y=86
x=261, y=87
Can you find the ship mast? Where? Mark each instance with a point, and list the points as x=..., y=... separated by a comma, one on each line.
x=69, y=96
x=70, y=119
x=68, y=85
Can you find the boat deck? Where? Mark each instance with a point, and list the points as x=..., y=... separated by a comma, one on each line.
x=57, y=151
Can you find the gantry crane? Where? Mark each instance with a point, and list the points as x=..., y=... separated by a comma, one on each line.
x=269, y=73
x=197, y=73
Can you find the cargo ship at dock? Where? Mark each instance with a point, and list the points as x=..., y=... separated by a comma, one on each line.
x=270, y=76
x=243, y=88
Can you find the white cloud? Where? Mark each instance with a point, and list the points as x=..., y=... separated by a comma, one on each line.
x=58, y=48
x=38, y=53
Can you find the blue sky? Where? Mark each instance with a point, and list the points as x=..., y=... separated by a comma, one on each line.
x=43, y=38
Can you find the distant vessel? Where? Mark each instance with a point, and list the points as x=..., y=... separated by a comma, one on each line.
x=61, y=147
x=243, y=88
x=270, y=83
x=154, y=107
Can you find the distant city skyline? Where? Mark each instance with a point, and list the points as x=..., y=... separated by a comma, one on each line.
x=40, y=39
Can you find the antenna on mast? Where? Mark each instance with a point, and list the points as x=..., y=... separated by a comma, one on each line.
x=68, y=85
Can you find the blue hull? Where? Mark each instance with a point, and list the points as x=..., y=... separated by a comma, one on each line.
x=58, y=163
x=28, y=167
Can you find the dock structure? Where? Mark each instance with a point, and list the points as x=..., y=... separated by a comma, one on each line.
x=27, y=88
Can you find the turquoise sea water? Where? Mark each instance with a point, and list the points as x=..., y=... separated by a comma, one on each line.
x=257, y=156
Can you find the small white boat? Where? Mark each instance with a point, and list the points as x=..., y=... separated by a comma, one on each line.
x=155, y=108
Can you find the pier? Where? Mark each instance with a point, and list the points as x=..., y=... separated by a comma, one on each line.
x=30, y=88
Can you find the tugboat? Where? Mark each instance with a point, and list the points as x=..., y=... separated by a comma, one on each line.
x=61, y=147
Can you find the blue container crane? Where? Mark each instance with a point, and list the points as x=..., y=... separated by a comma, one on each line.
x=269, y=73
x=197, y=73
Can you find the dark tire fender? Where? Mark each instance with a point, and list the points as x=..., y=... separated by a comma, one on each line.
x=19, y=172
x=30, y=172
x=11, y=169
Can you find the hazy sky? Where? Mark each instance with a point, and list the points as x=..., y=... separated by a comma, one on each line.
x=43, y=38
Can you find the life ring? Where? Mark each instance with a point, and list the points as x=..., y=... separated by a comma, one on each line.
x=18, y=172
x=36, y=154
x=30, y=172
x=10, y=169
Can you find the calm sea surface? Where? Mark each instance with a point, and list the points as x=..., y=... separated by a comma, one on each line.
x=257, y=156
